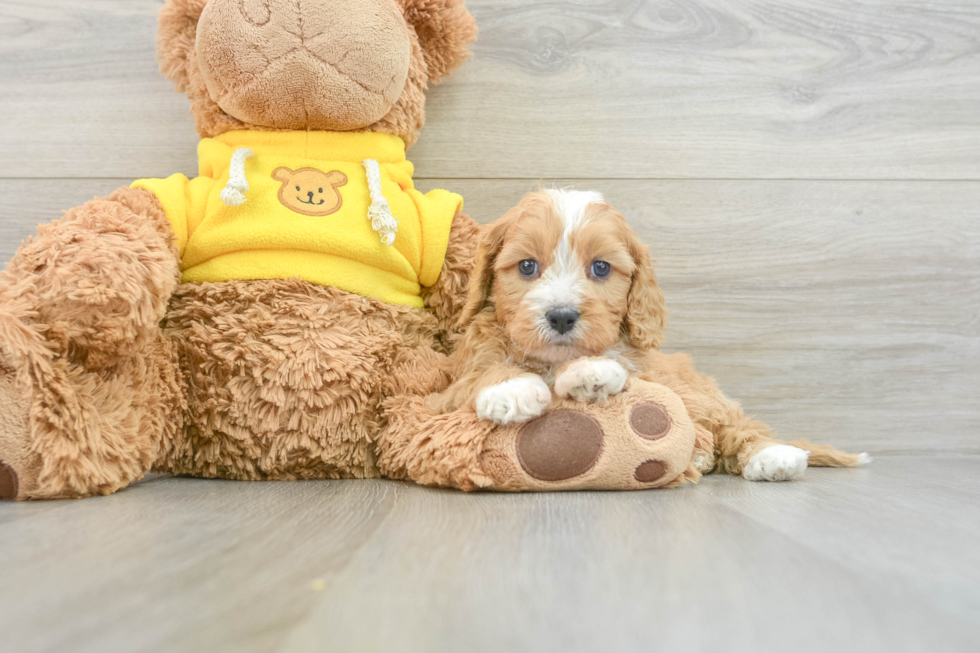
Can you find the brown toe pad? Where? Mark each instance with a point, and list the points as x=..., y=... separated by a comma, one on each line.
x=559, y=445
x=8, y=482
x=650, y=421
x=650, y=471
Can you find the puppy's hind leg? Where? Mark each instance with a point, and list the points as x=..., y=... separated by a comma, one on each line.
x=746, y=446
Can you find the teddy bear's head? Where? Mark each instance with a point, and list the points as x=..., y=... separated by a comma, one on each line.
x=338, y=65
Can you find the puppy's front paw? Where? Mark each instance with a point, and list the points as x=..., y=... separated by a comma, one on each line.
x=514, y=401
x=703, y=462
x=591, y=379
x=780, y=462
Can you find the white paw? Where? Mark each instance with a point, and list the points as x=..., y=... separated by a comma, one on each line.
x=591, y=379
x=704, y=462
x=865, y=459
x=780, y=462
x=514, y=401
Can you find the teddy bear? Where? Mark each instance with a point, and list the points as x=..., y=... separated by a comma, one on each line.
x=283, y=315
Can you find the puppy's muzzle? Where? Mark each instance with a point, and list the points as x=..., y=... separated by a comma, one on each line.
x=562, y=320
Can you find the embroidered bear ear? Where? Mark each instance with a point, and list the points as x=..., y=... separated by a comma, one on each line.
x=176, y=39
x=282, y=174
x=445, y=30
x=336, y=179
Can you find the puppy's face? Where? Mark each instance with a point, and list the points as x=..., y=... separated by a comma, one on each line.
x=568, y=277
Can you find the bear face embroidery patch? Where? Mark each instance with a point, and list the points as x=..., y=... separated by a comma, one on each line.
x=309, y=191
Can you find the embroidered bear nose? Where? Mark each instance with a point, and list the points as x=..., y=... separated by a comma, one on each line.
x=562, y=319
x=310, y=194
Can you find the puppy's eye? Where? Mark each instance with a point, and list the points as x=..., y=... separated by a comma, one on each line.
x=601, y=269
x=528, y=267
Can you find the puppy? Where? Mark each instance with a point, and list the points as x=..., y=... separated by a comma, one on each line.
x=563, y=299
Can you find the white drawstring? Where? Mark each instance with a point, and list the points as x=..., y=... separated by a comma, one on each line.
x=234, y=191
x=382, y=220
x=379, y=212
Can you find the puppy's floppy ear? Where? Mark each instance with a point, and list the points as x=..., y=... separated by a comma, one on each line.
x=646, y=313
x=481, y=278
x=177, y=39
x=445, y=30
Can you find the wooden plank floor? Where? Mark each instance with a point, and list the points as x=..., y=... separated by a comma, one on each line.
x=876, y=559
x=807, y=174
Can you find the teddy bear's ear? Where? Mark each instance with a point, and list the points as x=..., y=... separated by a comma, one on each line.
x=177, y=37
x=445, y=30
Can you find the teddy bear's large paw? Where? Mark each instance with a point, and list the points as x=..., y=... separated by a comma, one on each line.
x=642, y=438
x=19, y=466
x=514, y=401
x=591, y=379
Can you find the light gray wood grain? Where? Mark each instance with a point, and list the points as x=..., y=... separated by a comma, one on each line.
x=846, y=312
x=876, y=559
x=623, y=88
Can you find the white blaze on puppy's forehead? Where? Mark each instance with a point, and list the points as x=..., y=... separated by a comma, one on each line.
x=561, y=282
x=571, y=205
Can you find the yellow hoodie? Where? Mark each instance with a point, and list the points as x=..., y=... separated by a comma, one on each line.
x=320, y=206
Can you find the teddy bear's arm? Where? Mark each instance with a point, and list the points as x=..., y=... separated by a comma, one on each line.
x=448, y=295
x=86, y=374
x=98, y=277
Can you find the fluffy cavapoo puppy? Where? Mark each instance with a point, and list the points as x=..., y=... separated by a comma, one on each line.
x=563, y=300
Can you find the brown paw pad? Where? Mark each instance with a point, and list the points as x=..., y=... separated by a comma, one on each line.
x=559, y=445
x=650, y=421
x=8, y=482
x=650, y=471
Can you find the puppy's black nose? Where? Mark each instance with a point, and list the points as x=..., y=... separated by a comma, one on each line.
x=562, y=319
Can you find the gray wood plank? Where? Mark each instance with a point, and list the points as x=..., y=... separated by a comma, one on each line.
x=844, y=312
x=177, y=564
x=629, y=573
x=826, y=563
x=831, y=520
x=625, y=89
x=82, y=95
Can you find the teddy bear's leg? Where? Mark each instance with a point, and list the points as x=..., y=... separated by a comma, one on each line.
x=639, y=439
x=88, y=381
